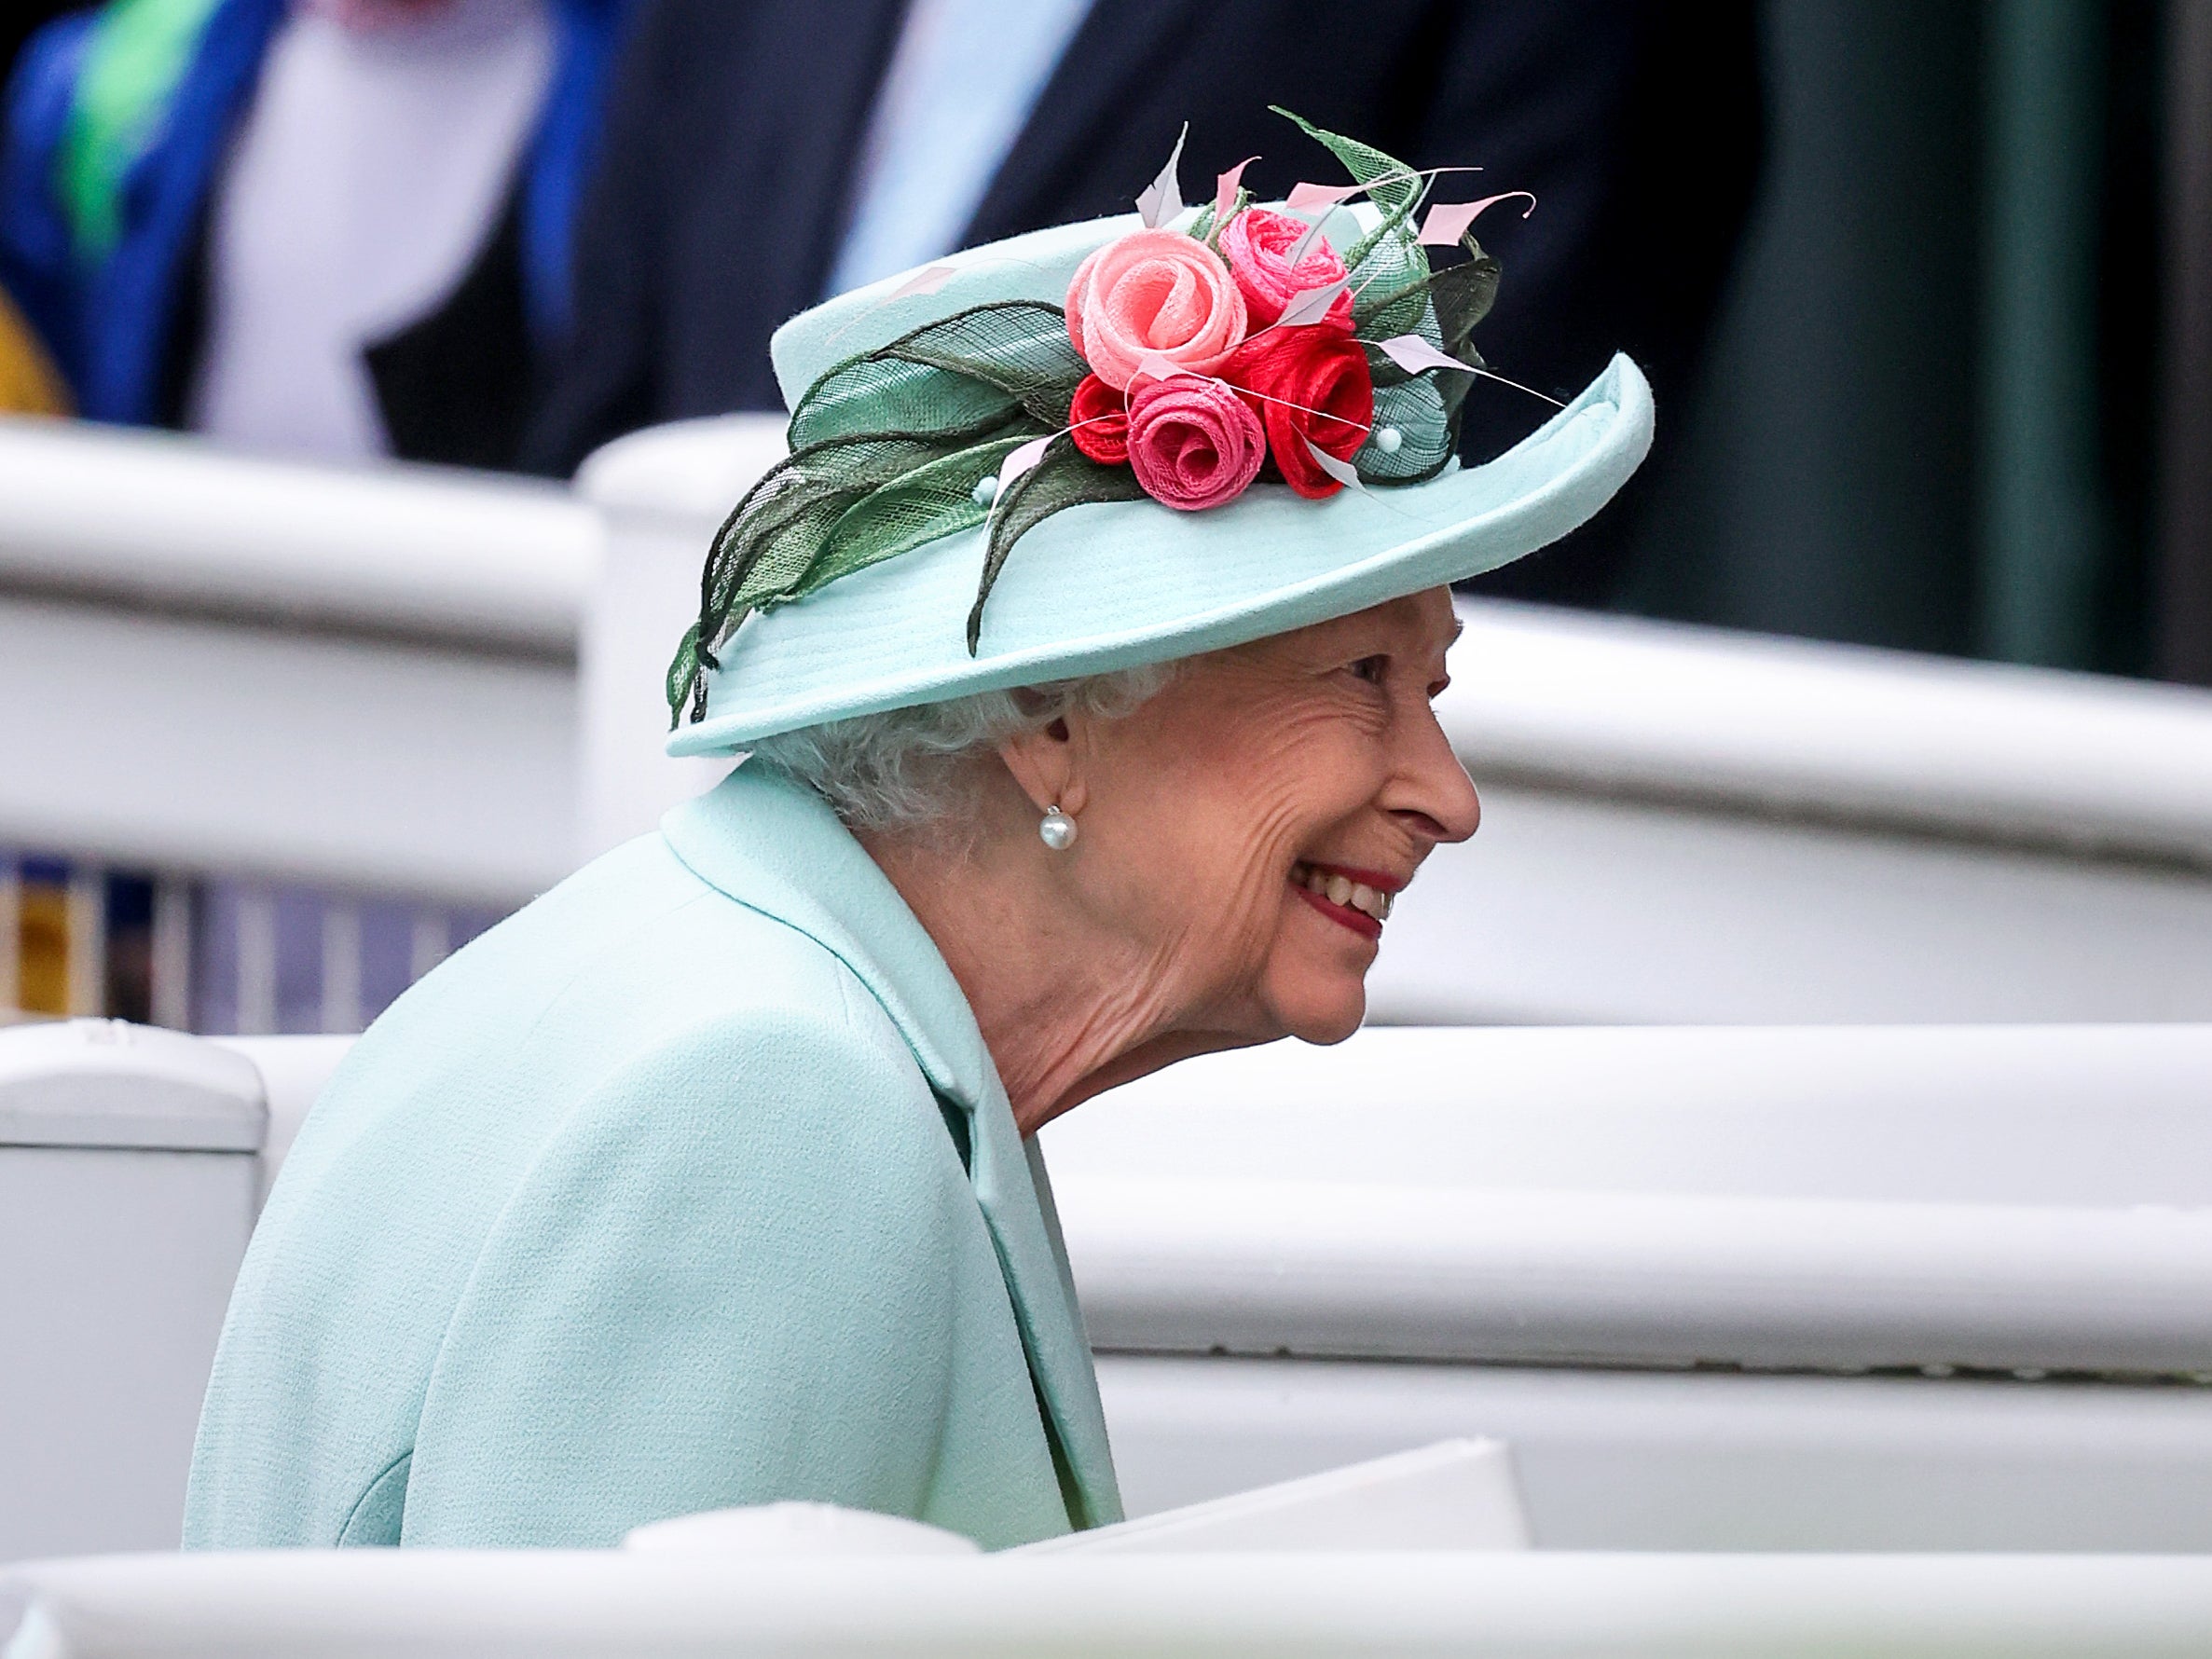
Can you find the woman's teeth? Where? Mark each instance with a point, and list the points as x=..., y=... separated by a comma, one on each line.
x=1342, y=890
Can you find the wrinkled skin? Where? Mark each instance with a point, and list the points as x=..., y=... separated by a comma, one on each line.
x=1172, y=927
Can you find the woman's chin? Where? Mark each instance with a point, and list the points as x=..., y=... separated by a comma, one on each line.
x=1319, y=983
x=1324, y=1012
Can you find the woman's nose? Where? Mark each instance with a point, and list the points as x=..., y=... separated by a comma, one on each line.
x=1437, y=787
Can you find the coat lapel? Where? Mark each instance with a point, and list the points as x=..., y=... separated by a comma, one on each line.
x=772, y=845
x=1017, y=1203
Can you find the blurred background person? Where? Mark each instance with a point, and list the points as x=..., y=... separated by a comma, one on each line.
x=761, y=156
x=336, y=229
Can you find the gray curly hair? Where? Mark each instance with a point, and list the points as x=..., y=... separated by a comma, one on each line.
x=909, y=768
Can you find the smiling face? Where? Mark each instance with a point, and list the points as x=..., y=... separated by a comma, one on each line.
x=1243, y=834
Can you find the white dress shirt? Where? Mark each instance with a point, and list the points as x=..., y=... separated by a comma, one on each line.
x=364, y=182
x=963, y=80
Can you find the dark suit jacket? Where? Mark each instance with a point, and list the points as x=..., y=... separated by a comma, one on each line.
x=731, y=134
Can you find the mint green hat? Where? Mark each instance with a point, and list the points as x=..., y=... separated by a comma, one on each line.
x=932, y=465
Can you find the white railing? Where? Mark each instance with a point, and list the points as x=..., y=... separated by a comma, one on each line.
x=1688, y=826
x=403, y=684
x=359, y=677
x=171, y=523
x=345, y=695
x=1813, y=1288
x=1925, y=1200
x=1874, y=740
x=1922, y=1288
x=352, y=1604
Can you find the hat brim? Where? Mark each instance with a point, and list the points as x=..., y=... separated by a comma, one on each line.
x=1118, y=585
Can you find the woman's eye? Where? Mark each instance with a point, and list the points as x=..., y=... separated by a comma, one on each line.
x=1371, y=669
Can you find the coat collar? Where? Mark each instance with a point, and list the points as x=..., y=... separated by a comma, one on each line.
x=775, y=846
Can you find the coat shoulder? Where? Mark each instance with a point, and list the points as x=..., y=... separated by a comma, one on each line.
x=598, y=1099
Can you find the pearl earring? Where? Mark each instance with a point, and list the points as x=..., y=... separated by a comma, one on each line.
x=1057, y=830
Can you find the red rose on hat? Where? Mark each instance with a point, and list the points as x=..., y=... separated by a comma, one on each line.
x=1309, y=383
x=1099, y=417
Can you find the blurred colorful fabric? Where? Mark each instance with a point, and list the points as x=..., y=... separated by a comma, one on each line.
x=131, y=126
x=28, y=383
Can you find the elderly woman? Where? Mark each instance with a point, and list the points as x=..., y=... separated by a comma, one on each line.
x=709, y=1178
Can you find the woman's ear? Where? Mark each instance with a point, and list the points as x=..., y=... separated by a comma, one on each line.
x=1046, y=763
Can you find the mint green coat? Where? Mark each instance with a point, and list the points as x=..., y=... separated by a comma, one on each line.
x=692, y=1184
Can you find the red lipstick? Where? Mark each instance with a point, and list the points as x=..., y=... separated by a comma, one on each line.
x=1306, y=874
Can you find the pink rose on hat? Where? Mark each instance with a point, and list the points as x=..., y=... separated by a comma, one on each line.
x=1192, y=442
x=1258, y=245
x=1155, y=298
